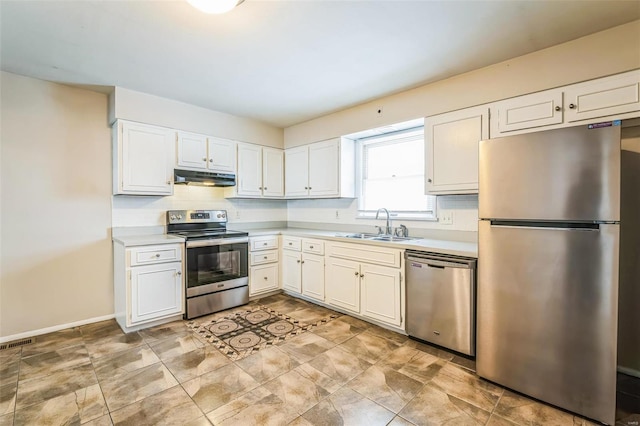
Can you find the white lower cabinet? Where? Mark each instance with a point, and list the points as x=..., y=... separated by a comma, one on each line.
x=380, y=293
x=264, y=268
x=148, y=285
x=156, y=291
x=303, y=272
x=263, y=278
x=357, y=281
x=343, y=284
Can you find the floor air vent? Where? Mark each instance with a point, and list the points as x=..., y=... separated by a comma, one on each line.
x=17, y=343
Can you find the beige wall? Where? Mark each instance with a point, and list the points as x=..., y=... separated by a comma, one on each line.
x=608, y=52
x=56, y=262
x=145, y=108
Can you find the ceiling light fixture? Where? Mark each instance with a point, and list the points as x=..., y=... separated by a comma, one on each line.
x=214, y=6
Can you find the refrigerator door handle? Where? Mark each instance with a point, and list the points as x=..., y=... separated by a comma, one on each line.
x=590, y=227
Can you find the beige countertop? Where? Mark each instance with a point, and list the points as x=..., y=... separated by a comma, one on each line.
x=455, y=248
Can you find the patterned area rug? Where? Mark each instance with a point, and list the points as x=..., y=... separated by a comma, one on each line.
x=243, y=333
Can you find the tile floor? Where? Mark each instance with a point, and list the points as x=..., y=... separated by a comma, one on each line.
x=347, y=372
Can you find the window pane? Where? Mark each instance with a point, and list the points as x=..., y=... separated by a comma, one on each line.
x=392, y=174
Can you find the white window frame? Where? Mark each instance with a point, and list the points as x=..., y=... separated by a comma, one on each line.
x=426, y=215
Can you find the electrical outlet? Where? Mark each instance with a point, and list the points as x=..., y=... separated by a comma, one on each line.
x=237, y=214
x=446, y=218
x=337, y=214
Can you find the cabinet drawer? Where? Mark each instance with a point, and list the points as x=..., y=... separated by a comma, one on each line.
x=313, y=246
x=365, y=253
x=268, y=256
x=147, y=255
x=291, y=243
x=263, y=278
x=269, y=242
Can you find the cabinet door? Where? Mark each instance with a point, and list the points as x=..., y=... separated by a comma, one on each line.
x=192, y=150
x=527, y=112
x=296, y=163
x=324, y=165
x=249, y=170
x=222, y=155
x=452, y=150
x=145, y=159
x=291, y=271
x=381, y=293
x=313, y=276
x=156, y=291
x=604, y=97
x=272, y=172
x=343, y=284
x=263, y=278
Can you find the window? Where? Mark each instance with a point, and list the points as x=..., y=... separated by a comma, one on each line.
x=391, y=175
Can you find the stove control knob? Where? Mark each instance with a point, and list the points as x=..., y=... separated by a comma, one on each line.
x=179, y=217
x=172, y=217
x=219, y=215
x=224, y=215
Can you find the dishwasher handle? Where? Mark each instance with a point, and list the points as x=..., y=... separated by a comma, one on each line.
x=441, y=262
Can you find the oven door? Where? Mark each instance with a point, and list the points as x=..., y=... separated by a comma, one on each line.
x=216, y=265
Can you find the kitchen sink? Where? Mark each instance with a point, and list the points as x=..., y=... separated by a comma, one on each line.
x=378, y=237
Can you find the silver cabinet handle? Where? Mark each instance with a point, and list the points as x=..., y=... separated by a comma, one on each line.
x=302, y=261
x=290, y=244
x=265, y=258
x=309, y=188
x=429, y=180
x=204, y=159
x=264, y=244
x=310, y=247
x=361, y=276
x=558, y=108
x=298, y=261
x=157, y=254
x=211, y=160
x=179, y=273
x=357, y=273
x=306, y=187
x=572, y=106
x=265, y=188
x=260, y=188
x=168, y=182
x=266, y=278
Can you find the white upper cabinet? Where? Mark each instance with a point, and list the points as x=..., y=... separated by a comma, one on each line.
x=452, y=150
x=199, y=152
x=192, y=150
x=260, y=173
x=526, y=112
x=324, y=171
x=296, y=162
x=249, y=179
x=143, y=158
x=321, y=170
x=603, y=99
x=609, y=96
x=272, y=172
x=222, y=155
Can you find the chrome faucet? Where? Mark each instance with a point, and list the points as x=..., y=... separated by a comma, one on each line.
x=388, y=227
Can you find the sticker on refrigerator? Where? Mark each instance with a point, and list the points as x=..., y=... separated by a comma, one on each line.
x=605, y=124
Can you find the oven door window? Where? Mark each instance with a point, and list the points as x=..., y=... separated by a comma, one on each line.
x=214, y=264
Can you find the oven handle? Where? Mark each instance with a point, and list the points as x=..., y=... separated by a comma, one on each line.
x=216, y=242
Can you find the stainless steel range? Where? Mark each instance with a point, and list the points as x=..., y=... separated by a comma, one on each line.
x=217, y=261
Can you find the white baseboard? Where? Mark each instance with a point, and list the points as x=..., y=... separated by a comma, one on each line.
x=54, y=328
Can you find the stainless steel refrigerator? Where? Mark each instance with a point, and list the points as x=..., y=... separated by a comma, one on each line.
x=549, y=251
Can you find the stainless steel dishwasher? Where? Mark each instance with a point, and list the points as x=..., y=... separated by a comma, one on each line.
x=441, y=299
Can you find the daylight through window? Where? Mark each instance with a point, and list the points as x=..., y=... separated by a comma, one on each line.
x=391, y=168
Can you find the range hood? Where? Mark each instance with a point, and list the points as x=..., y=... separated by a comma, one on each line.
x=204, y=178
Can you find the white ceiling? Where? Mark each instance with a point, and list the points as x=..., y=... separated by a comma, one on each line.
x=284, y=62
